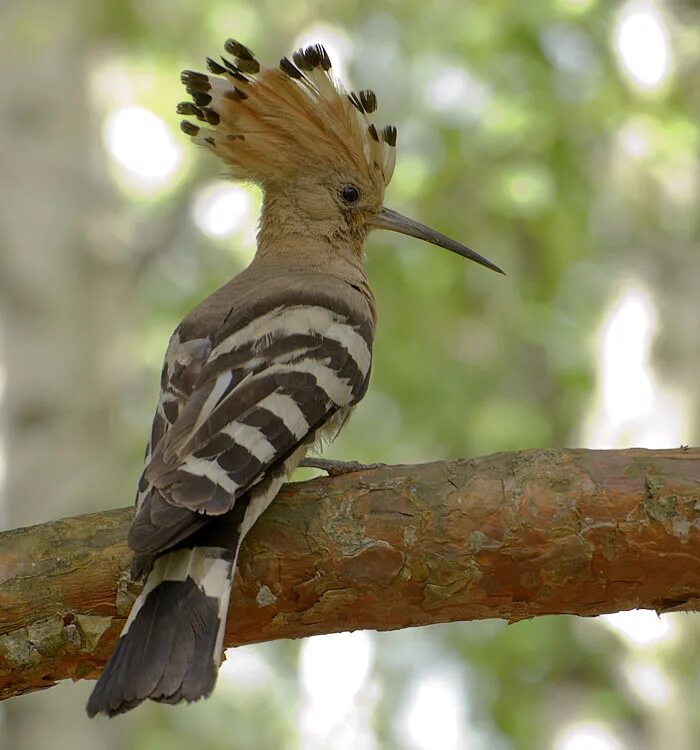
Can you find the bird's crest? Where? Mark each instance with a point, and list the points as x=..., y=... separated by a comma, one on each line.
x=270, y=124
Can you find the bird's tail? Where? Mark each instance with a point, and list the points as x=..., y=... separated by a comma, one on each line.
x=170, y=648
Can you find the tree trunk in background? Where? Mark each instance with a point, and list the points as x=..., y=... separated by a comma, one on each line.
x=60, y=300
x=59, y=305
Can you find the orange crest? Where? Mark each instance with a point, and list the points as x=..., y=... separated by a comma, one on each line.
x=271, y=124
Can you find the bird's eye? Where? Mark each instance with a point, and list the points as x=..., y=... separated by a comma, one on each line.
x=350, y=194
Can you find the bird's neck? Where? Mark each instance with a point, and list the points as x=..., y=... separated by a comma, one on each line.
x=287, y=237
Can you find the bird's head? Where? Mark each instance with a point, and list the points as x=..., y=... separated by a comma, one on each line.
x=313, y=148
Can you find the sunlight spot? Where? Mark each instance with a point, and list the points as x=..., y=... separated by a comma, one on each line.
x=635, y=138
x=453, y=90
x=625, y=354
x=433, y=718
x=568, y=48
x=666, y=150
x=641, y=627
x=631, y=407
x=221, y=209
x=529, y=186
x=245, y=668
x=333, y=670
x=114, y=84
x=649, y=683
x=642, y=45
x=589, y=735
x=141, y=144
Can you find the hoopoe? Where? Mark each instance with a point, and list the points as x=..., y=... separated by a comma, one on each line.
x=265, y=367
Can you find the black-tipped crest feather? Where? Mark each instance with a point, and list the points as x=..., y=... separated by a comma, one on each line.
x=238, y=50
x=294, y=115
x=214, y=67
x=201, y=98
x=389, y=134
x=232, y=70
x=189, y=128
x=369, y=100
x=288, y=67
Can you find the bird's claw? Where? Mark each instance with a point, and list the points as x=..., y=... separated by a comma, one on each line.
x=337, y=468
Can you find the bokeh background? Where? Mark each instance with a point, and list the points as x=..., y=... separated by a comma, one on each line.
x=557, y=137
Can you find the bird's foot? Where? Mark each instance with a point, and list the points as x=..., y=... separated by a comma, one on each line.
x=337, y=468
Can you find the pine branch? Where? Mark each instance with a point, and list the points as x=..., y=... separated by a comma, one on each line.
x=512, y=535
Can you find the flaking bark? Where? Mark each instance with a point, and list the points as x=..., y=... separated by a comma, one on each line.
x=512, y=535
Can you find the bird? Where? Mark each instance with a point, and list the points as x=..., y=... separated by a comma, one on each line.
x=265, y=368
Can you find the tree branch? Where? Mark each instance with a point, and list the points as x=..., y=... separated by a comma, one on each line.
x=510, y=535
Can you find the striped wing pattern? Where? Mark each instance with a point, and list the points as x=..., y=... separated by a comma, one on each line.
x=233, y=408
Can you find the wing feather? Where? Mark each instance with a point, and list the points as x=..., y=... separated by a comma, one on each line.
x=260, y=393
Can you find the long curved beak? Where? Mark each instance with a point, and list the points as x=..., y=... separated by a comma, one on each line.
x=395, y=222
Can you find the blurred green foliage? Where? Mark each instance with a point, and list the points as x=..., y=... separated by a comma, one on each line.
x=520, y=135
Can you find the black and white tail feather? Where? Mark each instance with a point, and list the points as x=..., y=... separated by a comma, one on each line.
x=170, y=648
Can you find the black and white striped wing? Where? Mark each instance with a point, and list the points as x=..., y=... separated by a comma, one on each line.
x=182, y=368
x=264, y=390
